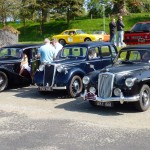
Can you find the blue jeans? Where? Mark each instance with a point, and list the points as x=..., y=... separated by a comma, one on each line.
x=120, y=38
x=113, y=38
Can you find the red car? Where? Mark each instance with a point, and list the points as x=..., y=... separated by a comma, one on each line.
x=139, y=34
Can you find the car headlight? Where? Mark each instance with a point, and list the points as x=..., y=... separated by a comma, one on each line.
x=86, y=80
x=60, y=68
x=129, y=82
x=117, y=92
x=92, y=90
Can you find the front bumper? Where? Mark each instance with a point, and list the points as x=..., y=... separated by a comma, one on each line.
x=51, y=88
x=93, y=97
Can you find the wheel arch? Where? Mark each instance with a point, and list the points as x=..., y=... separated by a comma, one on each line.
x=87, y=38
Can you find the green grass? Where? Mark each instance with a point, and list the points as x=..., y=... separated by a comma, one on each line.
x=32, y=31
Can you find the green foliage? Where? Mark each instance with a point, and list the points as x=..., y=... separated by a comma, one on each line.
x=32, y=32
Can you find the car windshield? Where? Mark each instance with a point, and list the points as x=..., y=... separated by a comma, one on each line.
x=74, y=52
x=133, y=56
x=141, y=27
x=10, y=52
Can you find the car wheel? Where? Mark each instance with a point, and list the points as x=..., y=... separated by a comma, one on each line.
x=144, y=102
x=62, y=42
x=3, y=81
x=75, y=86
x=87, y=40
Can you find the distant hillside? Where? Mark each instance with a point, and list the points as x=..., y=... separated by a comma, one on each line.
x=32, y=30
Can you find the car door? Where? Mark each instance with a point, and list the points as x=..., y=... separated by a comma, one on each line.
x=94, y=61
x=108, y=53
x=34, y=62
x=71, y=37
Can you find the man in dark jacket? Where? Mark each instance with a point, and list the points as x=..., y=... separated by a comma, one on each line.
x=112, y=28
x=120, y=31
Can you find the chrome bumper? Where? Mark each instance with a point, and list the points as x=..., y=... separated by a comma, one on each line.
x=120, y=99
x=49, y=88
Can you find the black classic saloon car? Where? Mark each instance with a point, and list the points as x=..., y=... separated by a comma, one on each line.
x=126, y=80
x=10, y=59
x=74, y=62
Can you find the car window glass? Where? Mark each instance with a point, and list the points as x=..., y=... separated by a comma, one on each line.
x=11, y=52
x=3, y=52
x=80, y=32
x=123, y=55
x=145, y=56
x=141, y=27
x=66, y=32
x=93, y=53
x=134, y=56
x=65, y=52
x=74, y=51
x=105, y=51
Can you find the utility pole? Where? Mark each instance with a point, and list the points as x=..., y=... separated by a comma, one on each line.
x=102, y=3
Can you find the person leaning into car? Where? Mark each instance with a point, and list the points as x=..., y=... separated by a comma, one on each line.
x=46, y=53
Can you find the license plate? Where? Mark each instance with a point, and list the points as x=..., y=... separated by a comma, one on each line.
x=105, y=104
x=43, y=88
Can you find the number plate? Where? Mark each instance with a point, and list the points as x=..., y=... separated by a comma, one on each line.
x=43, y=88
x=105, y=104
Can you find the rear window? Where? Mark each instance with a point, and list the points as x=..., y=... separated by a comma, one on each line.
x=141, y=27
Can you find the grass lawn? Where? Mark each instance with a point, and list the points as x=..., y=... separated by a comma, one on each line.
x=32, y=33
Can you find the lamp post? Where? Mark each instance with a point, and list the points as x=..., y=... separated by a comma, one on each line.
x=102, y=3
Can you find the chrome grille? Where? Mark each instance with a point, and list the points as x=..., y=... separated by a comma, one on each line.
x=105, y=85
x=49, y=75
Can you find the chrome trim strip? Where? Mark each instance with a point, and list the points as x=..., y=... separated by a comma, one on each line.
x=49, y=88
x=120, y=99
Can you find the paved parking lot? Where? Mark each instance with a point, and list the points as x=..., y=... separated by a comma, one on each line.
x=31, y=121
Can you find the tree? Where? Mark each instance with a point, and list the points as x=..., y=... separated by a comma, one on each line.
x=6, y=9
x=96, y=8
x=126, y=6
x=69, y=8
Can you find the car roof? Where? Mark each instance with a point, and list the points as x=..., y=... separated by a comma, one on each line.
x=71, y=29
x=22, y=45
x=138, y=47
x=144, y=22
x=89, y=44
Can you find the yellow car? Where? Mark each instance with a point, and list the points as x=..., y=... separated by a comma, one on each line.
x=75, y=36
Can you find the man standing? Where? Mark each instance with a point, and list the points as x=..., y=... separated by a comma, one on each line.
x=57, y=47
x=112, y=28
x=46, y=53
x=120, y=30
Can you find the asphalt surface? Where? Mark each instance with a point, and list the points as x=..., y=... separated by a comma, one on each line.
x=53, y=121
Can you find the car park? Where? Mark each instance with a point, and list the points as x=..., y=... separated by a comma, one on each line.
x=75, y=36
x=75, y=61
x=139, y=34
x=10, y=59
x=126, y=80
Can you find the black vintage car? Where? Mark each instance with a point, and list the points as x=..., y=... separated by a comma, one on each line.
x=74, y=62
x=10, y=59
x=126, y=80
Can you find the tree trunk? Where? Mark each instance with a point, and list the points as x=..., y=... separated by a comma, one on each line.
x=120, y=7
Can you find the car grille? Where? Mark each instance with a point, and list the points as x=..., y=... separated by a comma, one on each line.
x=49, y=75
x=105, y=85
